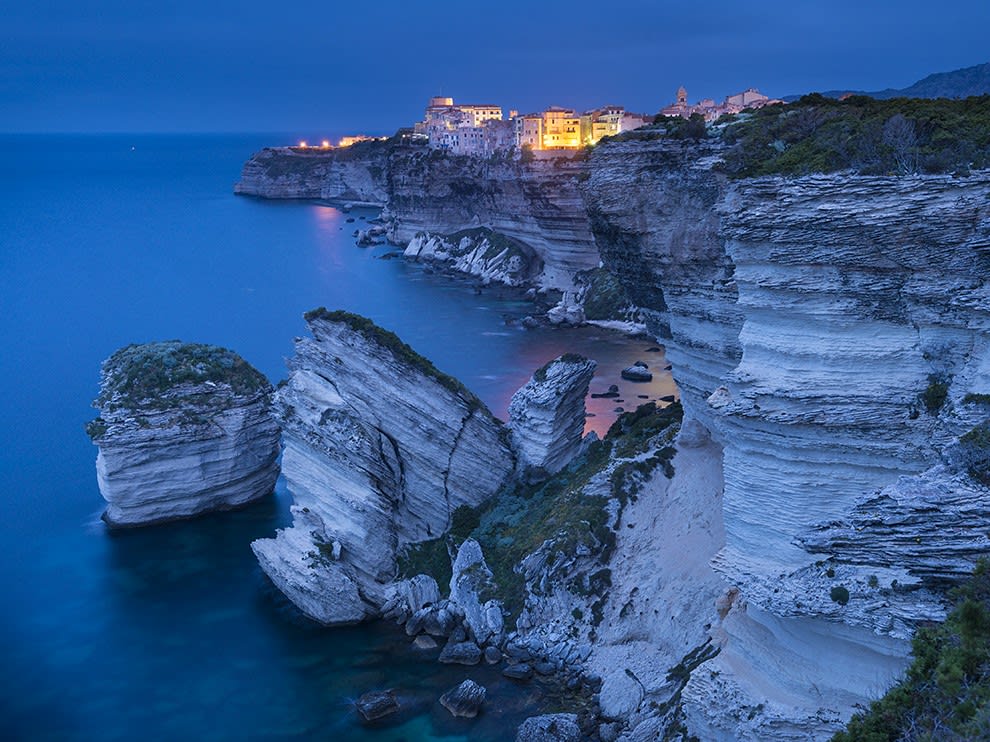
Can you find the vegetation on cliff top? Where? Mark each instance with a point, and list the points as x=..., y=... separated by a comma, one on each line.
x=945, y=694
x=560, y=510
x=144, y=375
x=402, y=352
x=873, y=137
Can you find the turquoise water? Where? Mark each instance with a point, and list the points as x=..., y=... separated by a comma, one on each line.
x=172, y=632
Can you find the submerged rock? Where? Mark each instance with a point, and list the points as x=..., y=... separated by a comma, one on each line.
x=465, y=700
x=377, y=704
x=550, y=728
x=380, y=449
x=183, y=429
x=547, y=414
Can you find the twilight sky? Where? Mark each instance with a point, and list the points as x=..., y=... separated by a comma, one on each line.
x=333, y=68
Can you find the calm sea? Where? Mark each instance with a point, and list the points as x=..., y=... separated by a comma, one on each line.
x=172, y=632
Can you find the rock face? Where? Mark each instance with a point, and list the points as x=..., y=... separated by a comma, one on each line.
x=537, y=205
x=549, y=728
x=547, y=415
x=183, y=429
x=353, y=175
x=380, y=449
x=479, y=252
x=824, y=331
x=470, y=585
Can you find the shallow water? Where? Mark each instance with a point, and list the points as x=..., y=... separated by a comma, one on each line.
x=172, y=632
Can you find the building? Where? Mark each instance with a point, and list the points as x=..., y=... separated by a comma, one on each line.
x=561, y=129
x=528, y=130
x=443, y=117
x=749, y=98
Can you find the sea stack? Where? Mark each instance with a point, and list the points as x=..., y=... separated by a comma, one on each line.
x=380, y=449
x=547, y=414
x=183, y=429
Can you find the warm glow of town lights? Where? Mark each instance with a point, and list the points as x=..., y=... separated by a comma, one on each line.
x=325, y=144
x=302, y=144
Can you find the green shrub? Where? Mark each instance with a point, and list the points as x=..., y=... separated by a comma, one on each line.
x=935, y=394
x=143, y=375
x=945, y=693
x=839, y=595
x=463, y=520
x=899, y=135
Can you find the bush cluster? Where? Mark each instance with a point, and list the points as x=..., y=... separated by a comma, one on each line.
x=945, y=694
x=873, y=137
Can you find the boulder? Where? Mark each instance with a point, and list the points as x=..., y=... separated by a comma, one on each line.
x=636, y=373
x=521, y=671
x=462, y=653
x=465, y=700
x=424, y=641
x=376, y=704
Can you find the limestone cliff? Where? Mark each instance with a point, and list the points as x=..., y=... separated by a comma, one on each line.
x=824, y=331
x=380, y=449
x=352, y=175
x=183, y=429
x=535, y=203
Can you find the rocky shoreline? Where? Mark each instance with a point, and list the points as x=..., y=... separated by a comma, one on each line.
x=719, y=569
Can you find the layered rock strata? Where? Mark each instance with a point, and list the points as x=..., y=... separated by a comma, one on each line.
x=824, y=331
x=183, y=429
x=350, y=175
x=478, y=252
x=380, y=449
x=547, y=415
x=537, y=203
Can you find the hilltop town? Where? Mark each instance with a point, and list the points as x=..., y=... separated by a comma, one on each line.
x=483, y=129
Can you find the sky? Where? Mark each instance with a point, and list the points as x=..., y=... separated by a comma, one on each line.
x=369, y=67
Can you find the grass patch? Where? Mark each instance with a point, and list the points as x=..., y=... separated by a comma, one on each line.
x=945, y=693
x=402, y=352
x=145, y=375
x=976, y=398
x=430, y=558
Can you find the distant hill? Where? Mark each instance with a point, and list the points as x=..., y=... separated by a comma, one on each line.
x=956, y=84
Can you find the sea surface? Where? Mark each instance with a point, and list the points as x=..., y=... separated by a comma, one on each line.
x=172, y=632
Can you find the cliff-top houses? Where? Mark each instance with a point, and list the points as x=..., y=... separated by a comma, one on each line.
x=707, y=107
x=481, y=129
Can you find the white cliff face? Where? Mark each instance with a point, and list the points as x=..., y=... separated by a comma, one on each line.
x=478, y=252
x=547, y=415
x=536, y=205
x=353, y=175
x=380, y=449
x=183, y=430
x=813, y=325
